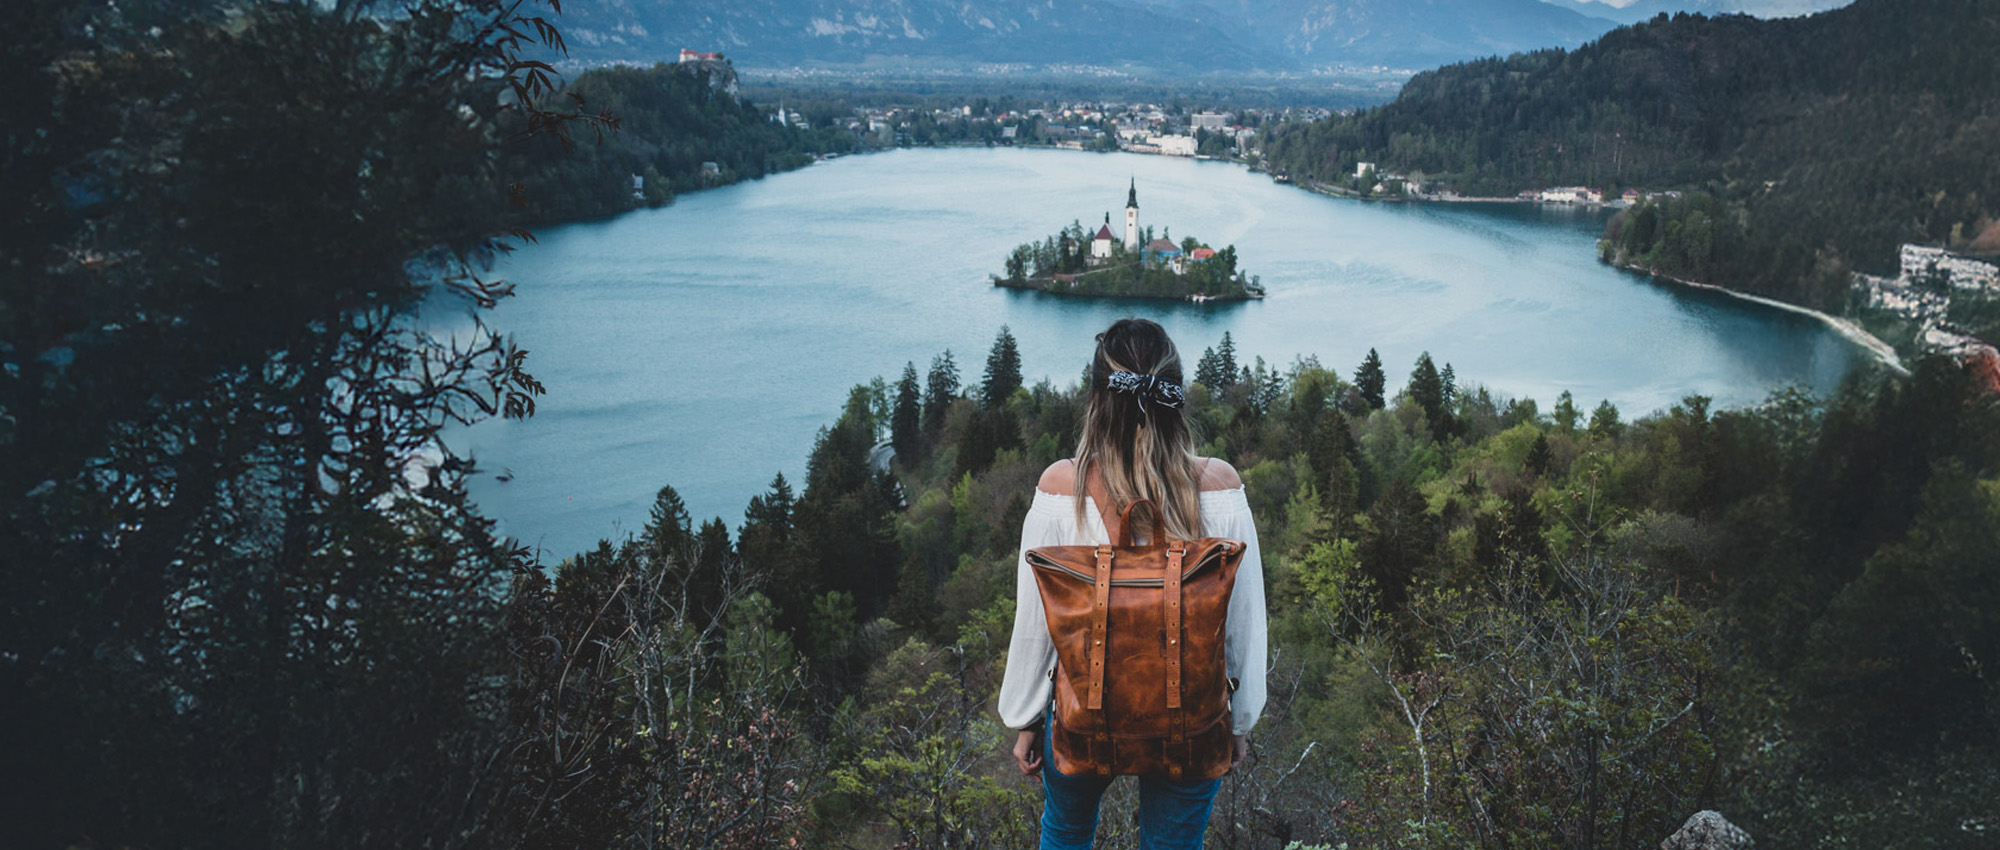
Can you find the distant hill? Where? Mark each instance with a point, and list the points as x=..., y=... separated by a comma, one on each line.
x=1645, y=10
x=1172, y=36
x=1828, y=139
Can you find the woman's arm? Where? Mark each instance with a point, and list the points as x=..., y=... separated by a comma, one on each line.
x=1246, y=649
x=1025, y=687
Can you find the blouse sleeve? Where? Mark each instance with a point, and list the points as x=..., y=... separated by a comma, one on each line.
x=1031, y=656
x=1245, y=645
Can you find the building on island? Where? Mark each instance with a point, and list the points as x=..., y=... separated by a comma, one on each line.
x=1161, y=251
x=1132, y=216
x=1100, y=245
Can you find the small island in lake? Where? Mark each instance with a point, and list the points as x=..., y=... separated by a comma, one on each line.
x=1074, y=262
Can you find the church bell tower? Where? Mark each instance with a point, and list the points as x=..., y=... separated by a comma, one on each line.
x=1132, y=216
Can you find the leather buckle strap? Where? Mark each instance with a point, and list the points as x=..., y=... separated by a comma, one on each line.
x=1176, y=553
x=1099, y=622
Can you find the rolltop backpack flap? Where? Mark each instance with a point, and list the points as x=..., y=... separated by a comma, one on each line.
x=1139, y=630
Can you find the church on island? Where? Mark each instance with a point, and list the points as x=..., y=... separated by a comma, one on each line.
x=1077, y=261
x=1159, y=252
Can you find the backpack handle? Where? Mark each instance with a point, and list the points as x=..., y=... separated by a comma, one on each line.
x=1121, y=534
x=1159, y=525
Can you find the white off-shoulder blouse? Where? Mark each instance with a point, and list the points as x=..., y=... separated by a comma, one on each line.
x=1031, y=656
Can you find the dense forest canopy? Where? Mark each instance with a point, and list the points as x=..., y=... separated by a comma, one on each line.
x=1830, y=139
x=682, y=127
x=1494, y=624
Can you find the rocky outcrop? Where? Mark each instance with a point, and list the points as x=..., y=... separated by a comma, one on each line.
x=1708, y=830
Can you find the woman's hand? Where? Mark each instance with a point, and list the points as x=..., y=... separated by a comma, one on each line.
x=1239, y=749
x=1027, y=755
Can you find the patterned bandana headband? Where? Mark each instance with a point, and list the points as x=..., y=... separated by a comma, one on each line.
x=1151, y=388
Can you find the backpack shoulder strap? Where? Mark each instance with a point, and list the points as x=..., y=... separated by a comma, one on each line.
x=1093, y=487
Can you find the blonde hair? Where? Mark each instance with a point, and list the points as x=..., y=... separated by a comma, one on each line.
x=1141, y=449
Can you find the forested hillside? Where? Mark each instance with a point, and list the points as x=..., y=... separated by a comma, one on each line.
x=1829, y=140
x=1494, y=624
x=671, y=119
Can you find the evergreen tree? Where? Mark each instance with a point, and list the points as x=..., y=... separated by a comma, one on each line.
x=1426, y=387
x=669, y=531
x=1207, y=370
x=1003, y=371
x=773, y=554
x=1604, y=420
x=713, y=568
x=845, y=518
x=1539, y=456
x=940, y=388
x=1372, y=381
x=1566, y=413
x=1225, y=362
x=1450, y=381
x=906, y=422
x=1217, y=368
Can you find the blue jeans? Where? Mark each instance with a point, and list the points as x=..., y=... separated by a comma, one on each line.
x=1172, y=815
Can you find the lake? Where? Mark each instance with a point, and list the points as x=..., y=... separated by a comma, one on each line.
x=704, y=344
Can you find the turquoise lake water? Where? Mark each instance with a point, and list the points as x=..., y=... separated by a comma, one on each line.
x=704, y=344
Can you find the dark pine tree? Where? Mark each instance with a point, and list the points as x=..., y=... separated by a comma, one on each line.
x=1204, y=369
x=1003, y=371
x=772, y=552
x=1426, y=387
x=1226, y=369
x=1371, y=381
x=906, y=420
x=940, y=388
x=669, y=531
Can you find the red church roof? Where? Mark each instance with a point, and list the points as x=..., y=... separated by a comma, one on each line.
x=1103, y=233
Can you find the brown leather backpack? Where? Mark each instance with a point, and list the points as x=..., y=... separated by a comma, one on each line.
x=1138, y=630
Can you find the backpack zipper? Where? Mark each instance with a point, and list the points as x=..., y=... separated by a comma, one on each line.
x=1039, y=560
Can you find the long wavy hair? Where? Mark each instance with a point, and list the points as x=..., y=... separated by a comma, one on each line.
x=1140, y=449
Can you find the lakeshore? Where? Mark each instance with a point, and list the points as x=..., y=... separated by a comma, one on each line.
x=1883, y=352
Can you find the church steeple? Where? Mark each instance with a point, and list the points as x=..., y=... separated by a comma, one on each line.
x=1132, y=217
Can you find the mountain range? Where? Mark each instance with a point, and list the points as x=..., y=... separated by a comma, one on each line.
x=1165, y=36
